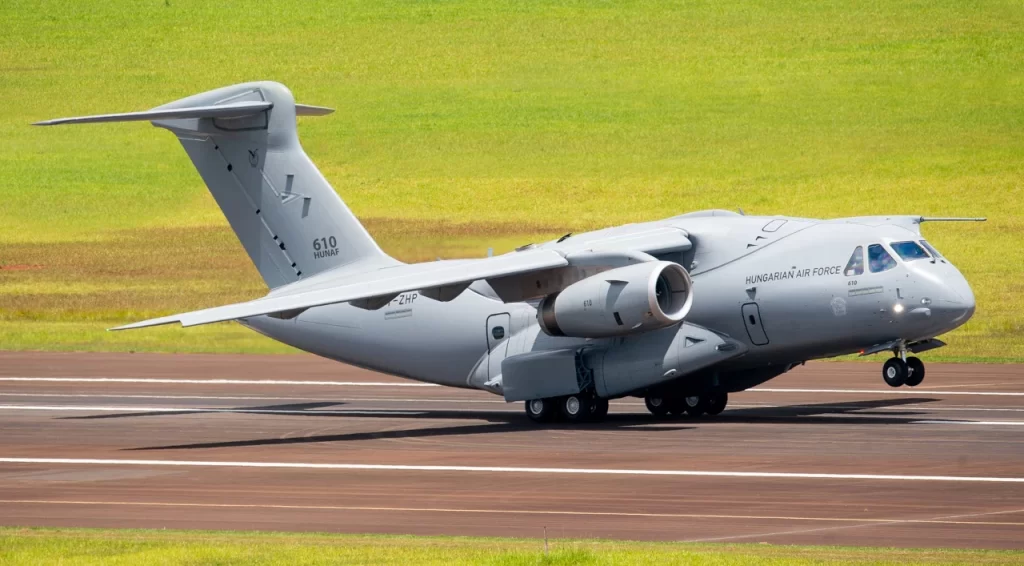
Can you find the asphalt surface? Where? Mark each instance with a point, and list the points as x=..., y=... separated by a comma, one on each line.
x=826, y=454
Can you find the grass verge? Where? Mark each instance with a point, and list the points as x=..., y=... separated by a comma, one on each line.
x=107, y=546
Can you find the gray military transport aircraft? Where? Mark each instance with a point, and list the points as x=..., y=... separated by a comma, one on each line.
x=681, y=311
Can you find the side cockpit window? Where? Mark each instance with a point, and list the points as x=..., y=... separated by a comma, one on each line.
x=931, y=249
x=909, y=251
x=856, y=264
x=879, y=259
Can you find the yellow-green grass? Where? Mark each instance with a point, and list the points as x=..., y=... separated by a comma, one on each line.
x=108, y=546
x=475, y=124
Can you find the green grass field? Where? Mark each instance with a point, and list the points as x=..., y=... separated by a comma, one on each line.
x=471, y=124
x=109, y=547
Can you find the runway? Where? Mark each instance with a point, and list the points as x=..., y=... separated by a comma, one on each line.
x=826, y=454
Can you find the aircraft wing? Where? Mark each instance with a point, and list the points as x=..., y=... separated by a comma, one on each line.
x=382, y=285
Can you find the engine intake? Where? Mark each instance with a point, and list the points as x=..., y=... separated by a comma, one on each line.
x=626, y=300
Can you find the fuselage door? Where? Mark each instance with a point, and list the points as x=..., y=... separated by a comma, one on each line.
x=498, y=331
x=752, y=320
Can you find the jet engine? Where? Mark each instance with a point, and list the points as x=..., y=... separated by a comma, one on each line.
x=625, y=300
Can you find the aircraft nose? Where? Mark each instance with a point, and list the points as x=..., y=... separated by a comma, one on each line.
x=959, y=299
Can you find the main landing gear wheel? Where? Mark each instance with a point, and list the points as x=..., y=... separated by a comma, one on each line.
x=695, y=405
x=657, y=405
x=598, y=409
x=575, y=408
x=717, y=402
x=676, y=406
x=915, y=371
x=895, y=372
x=541, y=410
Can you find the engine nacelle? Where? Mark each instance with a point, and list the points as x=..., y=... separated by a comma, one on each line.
x=626, y=300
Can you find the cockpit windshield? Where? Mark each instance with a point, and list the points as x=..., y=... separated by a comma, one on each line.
x=931, y=249
x=909, y=251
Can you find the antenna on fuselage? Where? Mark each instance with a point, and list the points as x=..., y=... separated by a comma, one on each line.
x=950, y=219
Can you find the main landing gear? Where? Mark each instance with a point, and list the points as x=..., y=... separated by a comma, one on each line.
x=579, y=408
x=709, y=403
x=902, y=370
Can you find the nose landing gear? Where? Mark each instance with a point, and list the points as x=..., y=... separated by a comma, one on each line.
x=894, y=372
x=915, y=367
x=902, y=370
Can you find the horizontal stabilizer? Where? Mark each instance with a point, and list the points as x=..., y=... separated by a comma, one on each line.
x=233, y=110
x=379, y=283
x=309, y=110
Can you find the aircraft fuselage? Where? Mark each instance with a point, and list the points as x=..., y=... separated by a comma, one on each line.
x=788, y=289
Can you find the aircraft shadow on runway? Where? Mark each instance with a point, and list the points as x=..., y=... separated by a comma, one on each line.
x=505, y=421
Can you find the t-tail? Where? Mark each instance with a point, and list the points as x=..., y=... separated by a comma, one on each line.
x=244, y=143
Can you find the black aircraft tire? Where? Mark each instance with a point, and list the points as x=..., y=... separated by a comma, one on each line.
x=598, y=409
x=915, y=371
x=676, y=406
x=541, y=410
x=575, y=408
x=695, y=405
x=894, y=372
x=657, y=405
x=717, y=402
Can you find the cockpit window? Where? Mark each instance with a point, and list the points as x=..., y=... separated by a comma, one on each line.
x=931, y=249
x=909, y=251
x=856, y=264
x=879, y=259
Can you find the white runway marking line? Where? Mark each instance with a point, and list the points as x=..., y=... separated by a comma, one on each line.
x=263, y=398
x=854, y=417
x=136, y=409
x=506, y=469
x=944, y=520
x=914, y=407
x=254, y=410
x=493, y=511
x=220, y=381
x=418, y=384
x=983, y=423
x=892, y=391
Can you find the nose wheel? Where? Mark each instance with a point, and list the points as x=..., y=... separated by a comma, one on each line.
x=897, y=372
x=915, y=372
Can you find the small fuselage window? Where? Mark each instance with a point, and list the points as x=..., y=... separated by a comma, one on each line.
x=931, y=249
x=879, y=260
x=909, y=251
x=856, y=264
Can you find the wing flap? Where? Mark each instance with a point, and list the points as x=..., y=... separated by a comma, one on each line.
x=383, y=282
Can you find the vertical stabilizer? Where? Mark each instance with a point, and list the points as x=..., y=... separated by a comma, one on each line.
x=289, y=219
x=243, y=141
